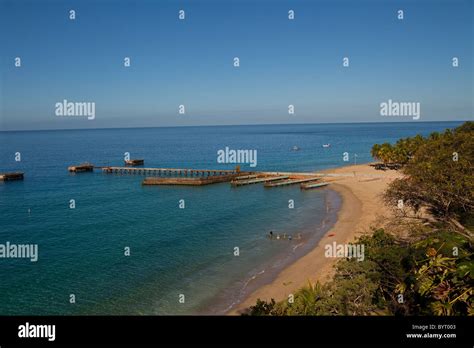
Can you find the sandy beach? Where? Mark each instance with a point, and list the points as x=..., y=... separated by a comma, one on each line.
x=361, y=187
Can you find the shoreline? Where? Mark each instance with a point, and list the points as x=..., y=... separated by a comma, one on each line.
x=264, y=273
x=360, y=208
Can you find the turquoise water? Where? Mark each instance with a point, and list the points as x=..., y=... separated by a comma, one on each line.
x=173, y=251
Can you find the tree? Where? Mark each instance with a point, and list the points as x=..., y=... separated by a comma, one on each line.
x=374, y=152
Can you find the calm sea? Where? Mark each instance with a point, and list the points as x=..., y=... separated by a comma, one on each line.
x=174, y=251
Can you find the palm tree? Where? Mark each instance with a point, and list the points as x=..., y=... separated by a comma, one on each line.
x=374, y=152
x=386, y=153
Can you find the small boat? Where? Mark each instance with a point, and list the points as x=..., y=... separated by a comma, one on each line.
x=295, y=148
x=327, y=145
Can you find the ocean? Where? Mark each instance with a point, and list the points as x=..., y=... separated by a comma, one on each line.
x=182, y=261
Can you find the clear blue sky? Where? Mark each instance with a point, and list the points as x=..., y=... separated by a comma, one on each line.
x=191, y=62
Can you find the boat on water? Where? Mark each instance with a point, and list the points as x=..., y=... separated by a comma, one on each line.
x=295, y=148
x=327, y=145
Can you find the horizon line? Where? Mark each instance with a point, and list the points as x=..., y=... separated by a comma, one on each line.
x=225, y=125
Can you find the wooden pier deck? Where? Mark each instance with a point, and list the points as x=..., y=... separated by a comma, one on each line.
x=289, y=182
x=313, y=185
x=11, y=176
x=169, y=171
x=257, y=180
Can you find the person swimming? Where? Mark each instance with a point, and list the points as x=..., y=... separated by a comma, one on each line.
x=283, y=236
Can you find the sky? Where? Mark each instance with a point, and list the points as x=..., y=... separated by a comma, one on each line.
x=190, y=62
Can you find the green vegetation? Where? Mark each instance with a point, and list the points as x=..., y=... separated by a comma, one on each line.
x=400, y=153
x=439, y=176
x=396, y=278
x=426, y=270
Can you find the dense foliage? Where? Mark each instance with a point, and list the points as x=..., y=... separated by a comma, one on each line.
x=423, y=278
x=431, y=271
x=439, y=175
